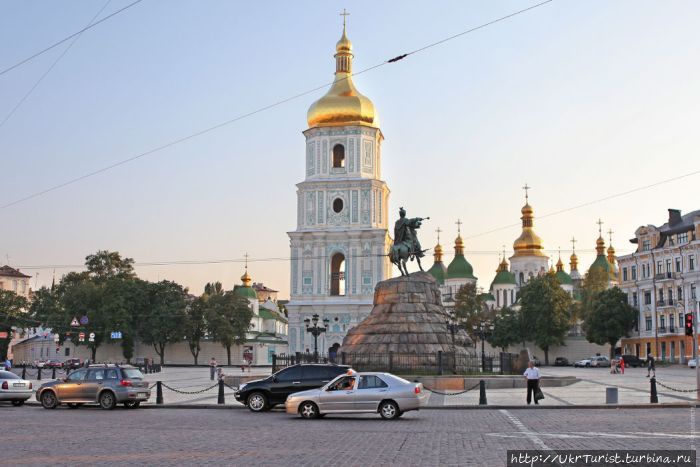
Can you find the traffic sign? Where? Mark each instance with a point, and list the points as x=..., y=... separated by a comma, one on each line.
x=4, y=335
x=91, y=338
x=81, y=337
x=84, y=320
x=75, y=322
x=116, y=335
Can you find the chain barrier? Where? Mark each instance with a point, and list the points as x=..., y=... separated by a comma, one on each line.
x=675, y=389
x=452, y=393
x=179, y=391
x=234, y=388
x=153, y=385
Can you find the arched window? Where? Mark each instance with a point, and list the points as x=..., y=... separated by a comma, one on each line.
x=338, y=274
x=338, y=156
x=521, y=279
x=337, y=205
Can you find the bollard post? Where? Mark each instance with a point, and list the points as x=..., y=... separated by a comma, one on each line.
x=221, y=392
x=654, y=399
x=159, y=393
x=39, y=375
x=24, y=372
x=482, y=392
x=53, y=373
x=439, y=362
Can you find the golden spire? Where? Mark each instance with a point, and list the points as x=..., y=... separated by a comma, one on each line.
x=459, y=243
x=245, y=278
x=611, y=249
x=600, y=243
x=529, y=243
x=438, y=247
x=343, y=104
x=560, y=264
x=574, y=259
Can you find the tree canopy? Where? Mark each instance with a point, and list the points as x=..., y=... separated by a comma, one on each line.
x=610, y=319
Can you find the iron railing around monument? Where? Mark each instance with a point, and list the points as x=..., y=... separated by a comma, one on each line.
x=437, y=363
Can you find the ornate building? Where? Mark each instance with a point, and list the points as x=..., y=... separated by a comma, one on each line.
x=528, y=258
x=339, y=248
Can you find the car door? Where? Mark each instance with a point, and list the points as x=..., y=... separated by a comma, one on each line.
x=371, y=389
x=93, y=383
x=72, y=388
x=313, y=377
x=339, y=396
x=285, y=382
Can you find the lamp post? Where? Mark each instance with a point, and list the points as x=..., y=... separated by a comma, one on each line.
x=453, y=326
x=480, y=330
x=315, y=330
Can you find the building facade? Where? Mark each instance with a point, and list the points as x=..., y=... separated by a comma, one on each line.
x=339, y=248
x=661, y=280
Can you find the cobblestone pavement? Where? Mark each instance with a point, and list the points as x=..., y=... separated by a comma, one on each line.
x=90, y=436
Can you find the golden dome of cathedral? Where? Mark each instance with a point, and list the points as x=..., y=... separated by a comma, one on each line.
x=528, y=243
x=343, y=104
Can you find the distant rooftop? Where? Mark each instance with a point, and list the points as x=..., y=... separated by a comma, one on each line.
x=8, y=271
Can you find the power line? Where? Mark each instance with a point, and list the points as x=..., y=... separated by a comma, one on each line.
x=254, y=112
x=90, y=26
x=65, y=51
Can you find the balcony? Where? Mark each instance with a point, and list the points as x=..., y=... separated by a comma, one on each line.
x=664, y=276
x=672, y=330
x=664, y=303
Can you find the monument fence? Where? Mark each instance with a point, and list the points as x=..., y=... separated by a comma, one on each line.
x=439, y=363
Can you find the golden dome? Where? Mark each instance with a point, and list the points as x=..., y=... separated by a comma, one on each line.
x=560, y=265
x=342, y=104
x=573, y=262
x=438, y=253
x=459, y=245
x=246, y=279
x=528, y=243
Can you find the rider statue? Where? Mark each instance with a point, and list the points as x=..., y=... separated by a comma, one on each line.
x=406, y=245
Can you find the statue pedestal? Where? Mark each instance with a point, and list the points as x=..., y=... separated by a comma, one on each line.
x=407, y=318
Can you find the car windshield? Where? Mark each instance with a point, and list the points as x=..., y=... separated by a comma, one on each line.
x=8, y=375
x=132, y=373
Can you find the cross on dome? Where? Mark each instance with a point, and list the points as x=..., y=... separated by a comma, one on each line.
x=526, y=188
x=438, y=230
x=600, y=227
x=610, y=232
x=344, y=14
x=459, y=227
x=573, y=244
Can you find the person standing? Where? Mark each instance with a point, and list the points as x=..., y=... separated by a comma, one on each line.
x=212, y=368
x=532, y=374
x=651, y=368
x=622, y=365
x=8, y=364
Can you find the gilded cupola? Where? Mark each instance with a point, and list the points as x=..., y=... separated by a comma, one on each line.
x=343, y=104
x=528, y=243
x=438, y=270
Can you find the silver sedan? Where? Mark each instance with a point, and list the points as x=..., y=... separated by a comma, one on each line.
x=13, y=388
x=382, y=393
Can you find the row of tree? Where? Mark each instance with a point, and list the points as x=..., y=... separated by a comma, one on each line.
x=547, y=313
x=113, y=298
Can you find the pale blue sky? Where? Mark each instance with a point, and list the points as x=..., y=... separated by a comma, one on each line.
x=579, y=99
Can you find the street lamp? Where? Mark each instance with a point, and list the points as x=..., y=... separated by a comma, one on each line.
x=481, y=330
x=453, y=326
x=315, y=331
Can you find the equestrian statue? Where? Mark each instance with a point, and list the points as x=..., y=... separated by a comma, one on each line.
x=406, y=245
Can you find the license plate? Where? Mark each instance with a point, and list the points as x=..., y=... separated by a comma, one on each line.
x=18, y=385
x=143, y=394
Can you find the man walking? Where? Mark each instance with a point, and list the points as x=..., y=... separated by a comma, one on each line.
x=651, y=368
x=532, y=374
x=212, y=368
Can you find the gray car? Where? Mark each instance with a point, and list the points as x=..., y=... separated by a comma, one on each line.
x=106, y=385
x=382, y=393
x=14, y=389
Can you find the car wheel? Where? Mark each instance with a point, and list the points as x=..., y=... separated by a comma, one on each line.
x=74, y=405
x=389, y=410
x=132, y=404
x=49, y=400
x=308, y=410
x=107, y=400
x=18, y=403
x=257, y=402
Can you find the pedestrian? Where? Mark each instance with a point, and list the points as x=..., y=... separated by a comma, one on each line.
x=212, y=368
x=622, y=365
x=220, y=374
x=8, y=364
x=651, y=368
x=532, y=374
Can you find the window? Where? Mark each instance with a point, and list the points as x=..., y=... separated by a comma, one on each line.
x=662, y=322
x=647, y=298
x=98, y=375
x=77, y=375
x=635, y=302
x=289, y=374
x=634, y=273
x=679, y=265
x=691, y=263
x=661, y=295
x=668, y=265
x=646, y=245
x=371, y=382
x=680, y=319
x=659, y=267
x=67, y=352
x=338, y=274
x=648, y=324
x=624, y=274
x=337, y=205
x=682, y=238
x=338, y=156
x=130, y=373
x=346, y=383
x=692, y=291
x=111, y=373
x=671, y=321
x=314, y=372
x=679, y=294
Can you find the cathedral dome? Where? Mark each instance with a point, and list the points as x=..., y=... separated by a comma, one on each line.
x=459, y=267
x=245, y=290
x=528, y=243
x=503, y=275
x=438, y=270
x=343, y=104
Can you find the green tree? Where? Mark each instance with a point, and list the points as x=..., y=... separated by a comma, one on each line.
x=469, y=306
x=195, y=324
x=611, y=318
x=164, y=318
x=228, y=319
x=507, y=329
x=12, y=315
x=545, y=312
x=595, y=282
x=123, y=301
x=105, y=264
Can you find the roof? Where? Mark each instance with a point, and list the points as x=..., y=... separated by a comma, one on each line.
x=460, y=268
x=438, y=271
x=245, y=292
x=487, y=296
x=8, y=271
x=260, y=287
x=264, y=313
x=564, y=278
x=504, y=277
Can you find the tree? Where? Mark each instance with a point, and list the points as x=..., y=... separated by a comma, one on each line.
x=12, y=310
x=545, y=312
x=595, y=282
x=195, y=324
x=228, y=316
x=163, y=320
x=610, y=319
x=469, y=306
x=507, y=329
x=123, y=300
x=107, y=264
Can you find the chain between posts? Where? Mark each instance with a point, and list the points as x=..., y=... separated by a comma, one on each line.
x=675, y=389
x=179, y=391
x=452, y=393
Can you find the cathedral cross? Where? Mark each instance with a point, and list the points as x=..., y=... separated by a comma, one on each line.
x=526, y=188
x=438, y=230
x=600, y=227
x=344, y=14
x=610, y=232
x=573, y=244
x=459, y=226
x=246, y=260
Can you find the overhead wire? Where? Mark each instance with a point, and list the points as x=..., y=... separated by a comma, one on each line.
x=258, y=110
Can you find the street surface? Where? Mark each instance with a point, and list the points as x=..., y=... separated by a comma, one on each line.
x=90, y=436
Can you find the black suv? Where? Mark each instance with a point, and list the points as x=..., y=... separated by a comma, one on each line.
x=633, y=361
x=263, y=394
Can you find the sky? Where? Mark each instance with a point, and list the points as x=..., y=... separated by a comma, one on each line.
x=580, y=100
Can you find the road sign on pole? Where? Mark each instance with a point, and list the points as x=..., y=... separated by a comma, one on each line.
x=81, y=337
x=84, y=320
x=91, y=338
x=75, y=322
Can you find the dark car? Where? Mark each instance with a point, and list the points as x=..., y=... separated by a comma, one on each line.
x=263, y=394
x=633, y=361
x=72, y=364
x=561, y=361
x=53, y=364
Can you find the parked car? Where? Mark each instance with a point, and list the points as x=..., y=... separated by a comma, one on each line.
x=39, y=364
x=14, y=389
x=382, y=393
x=633, y=361
x=53, y=364
x=586, y=362
x=73, y=363
x=561, y=361
x=106, y=385
x=600, y=361
x=263, y=394
x=692, y=363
